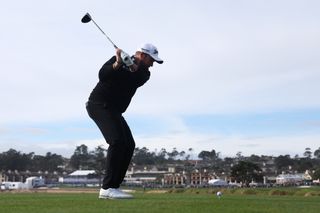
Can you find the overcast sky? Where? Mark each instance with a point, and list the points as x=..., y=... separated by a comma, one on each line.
x=238, y=76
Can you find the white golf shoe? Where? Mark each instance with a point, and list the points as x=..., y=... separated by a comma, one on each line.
x=113, y=193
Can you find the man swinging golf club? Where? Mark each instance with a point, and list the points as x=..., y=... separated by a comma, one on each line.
x=108, y=100
x=119, y=79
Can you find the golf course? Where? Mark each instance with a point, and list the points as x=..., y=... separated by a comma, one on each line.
x=172, y=200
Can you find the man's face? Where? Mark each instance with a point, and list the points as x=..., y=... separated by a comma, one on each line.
x=147, y=60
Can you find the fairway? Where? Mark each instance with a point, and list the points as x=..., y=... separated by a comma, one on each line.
x=148, y=202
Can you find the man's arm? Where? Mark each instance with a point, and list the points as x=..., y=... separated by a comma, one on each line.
x=107, y=69
x=110, y=66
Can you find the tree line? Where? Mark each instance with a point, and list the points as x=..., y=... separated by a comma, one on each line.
x=83, y=158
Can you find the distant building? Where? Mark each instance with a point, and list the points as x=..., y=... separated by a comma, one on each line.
x=31, y=182
x=144, y=177
x=293, y=179
x=178, y=179
x=80, y=177
x=200, y=178
x=289, y=179
x=2, y=177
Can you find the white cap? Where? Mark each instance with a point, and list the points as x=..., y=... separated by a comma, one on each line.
x=152, y=51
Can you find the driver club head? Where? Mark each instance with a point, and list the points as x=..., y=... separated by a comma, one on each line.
x=86, y=18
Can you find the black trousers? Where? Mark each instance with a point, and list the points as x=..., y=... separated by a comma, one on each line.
x=117, y=134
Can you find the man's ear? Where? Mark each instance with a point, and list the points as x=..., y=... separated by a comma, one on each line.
x=142, y=55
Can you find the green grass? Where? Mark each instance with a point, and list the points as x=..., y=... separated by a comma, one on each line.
x=185, y=202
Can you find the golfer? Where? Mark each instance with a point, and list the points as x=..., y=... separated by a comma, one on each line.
x=108, y=100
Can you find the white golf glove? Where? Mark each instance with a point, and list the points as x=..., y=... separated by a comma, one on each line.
x=126, y=59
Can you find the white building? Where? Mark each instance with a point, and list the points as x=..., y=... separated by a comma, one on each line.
x=31, y=182
x=34, y=182
x=81, y=177
x=289, y=179
x=293, y=179
x=217, y=182
x=143, y=177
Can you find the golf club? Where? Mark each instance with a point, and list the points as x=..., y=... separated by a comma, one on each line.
x=87, y=18
x=124, y=56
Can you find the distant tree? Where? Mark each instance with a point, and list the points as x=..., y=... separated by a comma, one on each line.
x=52, y=161
x=14, y=160
x=80, y=157
x=228, y=164
x=160, y=158
x=229, y=161
x=163, y=153
x=304, y=164
x=239, y=155
x=190, y=153
x=187, y=157
x=173, y=155
x=204, y=155
x=143, y=156
x=246, y=172
x=307, y=153
x=316, y=174
x=283, y=162
x=316, y=153
x=182, y=154
x=99, y=166
x=208, y=156
x=254, y=158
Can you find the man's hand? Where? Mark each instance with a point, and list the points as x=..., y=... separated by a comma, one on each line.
x=123, y=57
x=126, y=59
x=118, y=56
x=116, y=65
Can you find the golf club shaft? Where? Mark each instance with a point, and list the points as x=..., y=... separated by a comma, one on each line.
x=115, y=46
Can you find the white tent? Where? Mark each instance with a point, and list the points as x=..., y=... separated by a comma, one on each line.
x=82, y=172
x=80, y=177
x=217, y=182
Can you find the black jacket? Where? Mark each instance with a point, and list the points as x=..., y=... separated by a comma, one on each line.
x=117, y=87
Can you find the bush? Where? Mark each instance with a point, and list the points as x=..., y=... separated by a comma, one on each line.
x=249, y=192
x=311, y=194
x=280, y=192
x=176, y=191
